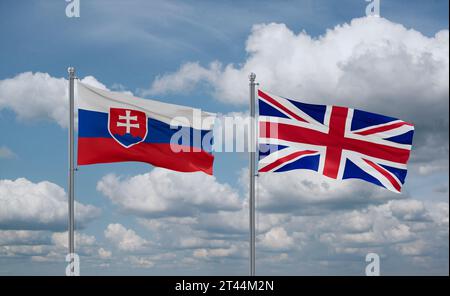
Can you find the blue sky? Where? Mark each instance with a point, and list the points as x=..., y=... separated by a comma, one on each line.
x=131, y=45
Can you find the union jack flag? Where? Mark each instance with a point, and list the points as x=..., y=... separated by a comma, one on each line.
x=338, y=142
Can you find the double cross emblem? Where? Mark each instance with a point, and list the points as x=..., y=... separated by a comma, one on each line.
x=128, y=127
x=128, y=119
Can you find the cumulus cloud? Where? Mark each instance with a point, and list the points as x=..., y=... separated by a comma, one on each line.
x=166, y=193
x=409, y=210
x=308, y=193
x=407, y=230
x=43, y=246
x=35, y=95
x=306, y=216
x=439, y=213
x=24, y=250
x=236, y=223
x=185, y=79
x=140, y=261
x=350, y=61
x=214, y=253
x=60, y=239
x=277, y=239
x=178, y=210
x=304, y=220
x=25, y=205
x=124, y=239
x=336, y=242
x=39, y=96
x=395, y=224
x=182, y=235
x=104, y=254
x=370, y=63
x=23, y=237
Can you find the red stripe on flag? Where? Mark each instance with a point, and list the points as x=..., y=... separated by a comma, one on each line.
x=336, y=135
x=285, y=159
x=383, y=128
x=107, y=150
x=276, y=103
x=309, y=136
x=332, y=162
x=384, y=173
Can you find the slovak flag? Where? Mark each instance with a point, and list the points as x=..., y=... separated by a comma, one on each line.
x=338, y=142
x=117, y=127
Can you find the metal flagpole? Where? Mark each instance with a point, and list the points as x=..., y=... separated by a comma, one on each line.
x=71, y=71
x=252, y=149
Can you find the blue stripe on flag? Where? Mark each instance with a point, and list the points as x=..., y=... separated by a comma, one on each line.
x=352, y=171
x=315, y=111
x=306, y=162
x=362, y=119
x=93, y=124
x=399, y=173
x=267, y=110
x=406, y=138
x=266, y=149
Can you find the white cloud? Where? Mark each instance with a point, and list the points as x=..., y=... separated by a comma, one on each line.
x=149, y=261
x=371, y=64
x=382, y=227
x=61, y=240
x=124, y=239
x=307, y=192
x=214, y=253
x=104, y=254
x=166, y=193
x=311, y=219
x=409, y=231
x=191, y=242
x=24, y=250
x=409, y=210
x=306, y=216
x=140, y=262
x=162, y=224
x=38, y=206
x=39, y=96
x=6, y=153
x=43, y=246
x=439, y=213
x=237, y=223
x=277, y=239
x=370, y=50
x=355, y=221
x=185, y=79
x=35, y=95
x=92, y=81
x=381, y=235
x=23, y=237
x=415, y=248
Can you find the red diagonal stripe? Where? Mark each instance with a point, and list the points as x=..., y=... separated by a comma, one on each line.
x=384, y=173
x=309, y=136
x=287, y=158
x=276, y=103
x=382, y=128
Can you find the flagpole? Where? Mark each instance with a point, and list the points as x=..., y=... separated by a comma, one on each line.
x=71, y=199
x=252, y=150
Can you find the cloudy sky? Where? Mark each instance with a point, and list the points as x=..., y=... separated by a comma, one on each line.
x=135, y=219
